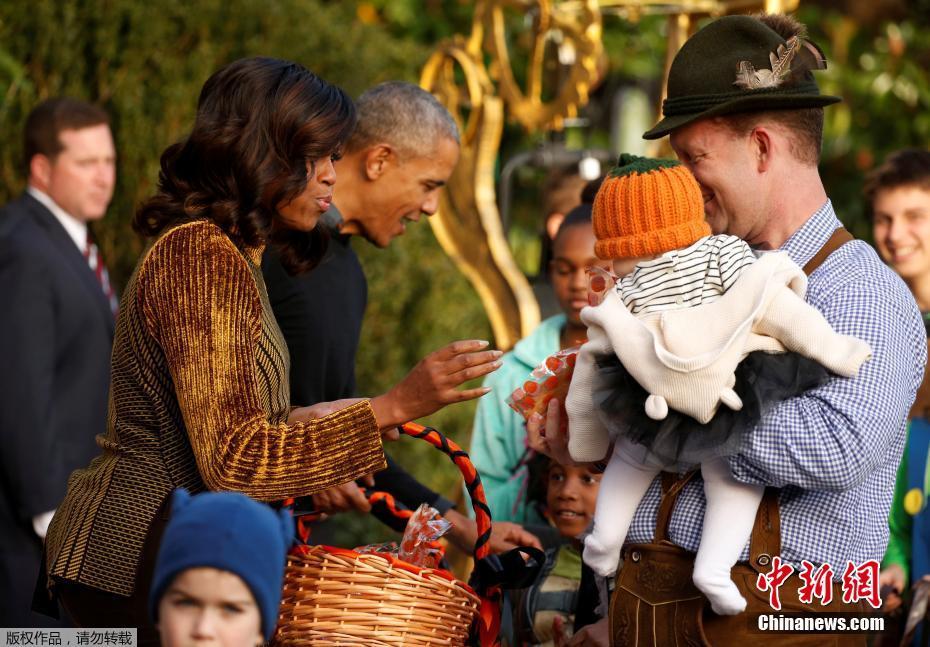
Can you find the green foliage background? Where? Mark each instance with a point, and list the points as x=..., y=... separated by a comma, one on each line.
x=146, y=61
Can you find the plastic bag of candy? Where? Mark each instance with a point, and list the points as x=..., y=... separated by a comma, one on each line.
x=424, y=528
x=419, y=545
x=547, y=381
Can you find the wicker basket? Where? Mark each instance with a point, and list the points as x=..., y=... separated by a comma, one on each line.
x=335, y=596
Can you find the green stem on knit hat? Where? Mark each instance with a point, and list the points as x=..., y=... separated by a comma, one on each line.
x=628, y=164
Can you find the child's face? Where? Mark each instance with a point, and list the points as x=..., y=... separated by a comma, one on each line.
x=571, y=495
x=572, y=252
x=207, y=606
x=901, y=226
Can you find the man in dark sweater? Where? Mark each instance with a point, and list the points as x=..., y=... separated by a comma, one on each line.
x=402, y=153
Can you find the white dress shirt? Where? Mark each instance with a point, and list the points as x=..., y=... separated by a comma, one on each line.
x=76, y=229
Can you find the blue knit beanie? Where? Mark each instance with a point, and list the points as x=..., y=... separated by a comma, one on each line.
x=230, y=532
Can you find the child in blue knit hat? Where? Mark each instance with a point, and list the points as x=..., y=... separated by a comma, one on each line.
x=220, y=570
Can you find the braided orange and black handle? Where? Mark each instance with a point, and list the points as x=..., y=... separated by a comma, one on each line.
x=489, y=611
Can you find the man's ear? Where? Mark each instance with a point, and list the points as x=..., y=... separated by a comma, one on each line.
x=377, y=158
x=40, y=171
x=762, y=144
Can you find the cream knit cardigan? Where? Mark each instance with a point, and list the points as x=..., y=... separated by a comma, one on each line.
x=686, y=359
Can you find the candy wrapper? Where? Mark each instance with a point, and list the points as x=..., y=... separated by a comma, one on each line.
x=388, y=548
x=547, y=381
x=418, y=546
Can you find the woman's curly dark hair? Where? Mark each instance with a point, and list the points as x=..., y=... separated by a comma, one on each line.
x=260, y=122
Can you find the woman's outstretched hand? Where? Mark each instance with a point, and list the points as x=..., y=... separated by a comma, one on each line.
x=433, y=383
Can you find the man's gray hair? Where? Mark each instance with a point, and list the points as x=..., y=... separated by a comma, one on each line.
x=404, y=116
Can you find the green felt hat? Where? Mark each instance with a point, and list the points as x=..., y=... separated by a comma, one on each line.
x=738, y=64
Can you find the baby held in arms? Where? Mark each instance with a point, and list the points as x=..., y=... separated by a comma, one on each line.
x=687, y=322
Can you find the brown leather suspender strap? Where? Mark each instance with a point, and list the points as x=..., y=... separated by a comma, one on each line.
x=765, y=541
x=671, y=488
x=839, y=238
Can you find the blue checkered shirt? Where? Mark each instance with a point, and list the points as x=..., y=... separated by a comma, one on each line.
x=835, y=450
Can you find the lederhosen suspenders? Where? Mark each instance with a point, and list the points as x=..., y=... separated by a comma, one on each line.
x=655, y=602
x=839, y=238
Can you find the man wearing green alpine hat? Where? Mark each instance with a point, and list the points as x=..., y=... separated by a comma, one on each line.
x=745, y=115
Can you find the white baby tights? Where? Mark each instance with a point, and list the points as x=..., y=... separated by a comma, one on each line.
x=728, y=520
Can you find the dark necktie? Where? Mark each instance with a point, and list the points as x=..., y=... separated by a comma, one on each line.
x=97, y=266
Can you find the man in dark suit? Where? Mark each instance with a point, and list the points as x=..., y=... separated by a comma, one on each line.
x=56, y=330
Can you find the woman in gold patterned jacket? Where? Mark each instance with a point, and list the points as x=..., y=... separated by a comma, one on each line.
x=199, y=388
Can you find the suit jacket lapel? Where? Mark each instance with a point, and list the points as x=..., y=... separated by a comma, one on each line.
x=69, y=252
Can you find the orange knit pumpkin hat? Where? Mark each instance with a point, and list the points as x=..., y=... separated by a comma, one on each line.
x=645, y=207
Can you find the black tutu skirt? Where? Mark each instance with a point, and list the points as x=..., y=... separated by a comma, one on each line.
x=680, y=442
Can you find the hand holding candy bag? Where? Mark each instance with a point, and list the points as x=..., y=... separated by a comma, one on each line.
x=546, y=382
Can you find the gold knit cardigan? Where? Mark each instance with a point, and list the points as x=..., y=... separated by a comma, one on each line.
x=198, y=398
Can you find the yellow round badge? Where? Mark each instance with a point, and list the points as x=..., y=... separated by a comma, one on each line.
x=913, y=501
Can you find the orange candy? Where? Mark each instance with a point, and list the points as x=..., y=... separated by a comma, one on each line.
x=548, y=381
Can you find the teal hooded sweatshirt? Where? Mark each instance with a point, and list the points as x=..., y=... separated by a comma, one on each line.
x=498, y=440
